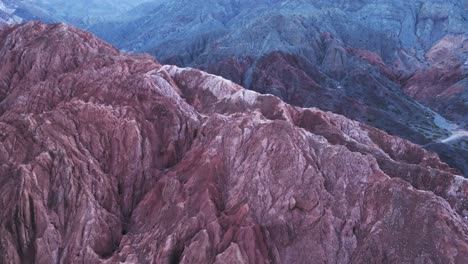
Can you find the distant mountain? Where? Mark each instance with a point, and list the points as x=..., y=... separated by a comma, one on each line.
x=87, y=12
x=82, y=13
x=17, y=11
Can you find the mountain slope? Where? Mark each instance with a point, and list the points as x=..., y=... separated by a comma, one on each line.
x=108, y=158
x=363, y=59
x=245, y=28
x=356, y=58
x=17, y=11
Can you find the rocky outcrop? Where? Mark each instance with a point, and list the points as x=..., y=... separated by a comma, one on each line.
x=18, y=11
x=6, y=15
x=243, y=28
x=107, y=157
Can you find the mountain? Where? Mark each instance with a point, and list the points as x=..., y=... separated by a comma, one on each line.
x=372, y=61
x=109, y=157
x=363, y=59
x=6, y=15
x=87, y=12
x=17, y=11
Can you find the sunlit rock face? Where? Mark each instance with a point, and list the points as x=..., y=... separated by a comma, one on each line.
x=107, y=157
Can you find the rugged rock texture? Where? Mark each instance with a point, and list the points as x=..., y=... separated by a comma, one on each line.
x=243, y=27
x=109, y=158
x=365, y=89
x=17, y=11
x=350, y=57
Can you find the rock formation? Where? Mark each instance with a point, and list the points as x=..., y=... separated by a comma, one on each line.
x=114, y=158
x=362, y=59
x=351, y=57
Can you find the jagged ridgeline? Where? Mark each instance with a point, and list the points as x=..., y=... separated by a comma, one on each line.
x=395, y=65
x=107, y=157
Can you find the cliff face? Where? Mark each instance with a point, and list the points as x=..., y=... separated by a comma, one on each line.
x=107, y=157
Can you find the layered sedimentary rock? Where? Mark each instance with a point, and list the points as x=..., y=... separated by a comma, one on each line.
x=244, y=27
x=114, y=158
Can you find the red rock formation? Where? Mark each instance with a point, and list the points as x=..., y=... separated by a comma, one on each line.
x=113, y=158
